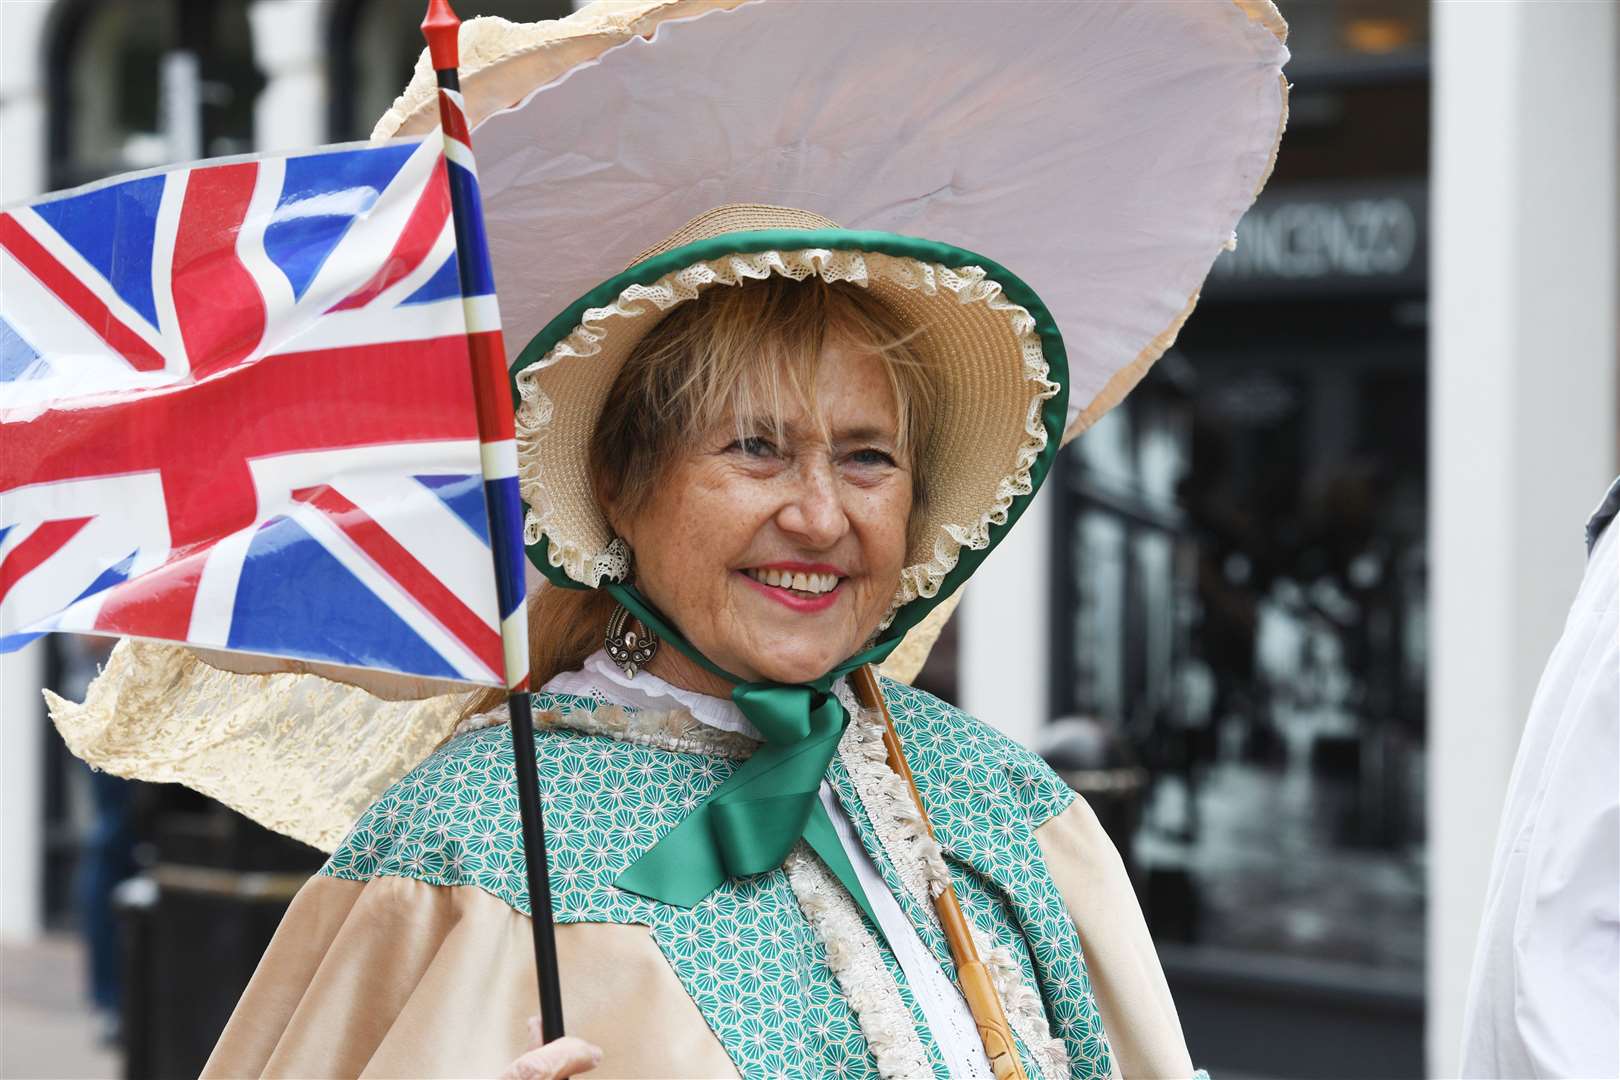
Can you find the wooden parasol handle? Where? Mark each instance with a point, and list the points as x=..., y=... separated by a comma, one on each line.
x=982, y=999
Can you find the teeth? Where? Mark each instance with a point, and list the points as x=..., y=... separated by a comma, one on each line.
x=810, y=583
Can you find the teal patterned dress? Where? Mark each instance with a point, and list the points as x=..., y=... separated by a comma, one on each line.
x=791, y=981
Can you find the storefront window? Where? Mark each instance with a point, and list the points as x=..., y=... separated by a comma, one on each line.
x=118, y=70
x=1245, y=609
x=1099, y=557
x=1328, y=31
x=1243, y=585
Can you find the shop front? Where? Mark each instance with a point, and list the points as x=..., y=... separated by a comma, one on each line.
x=1242, y=605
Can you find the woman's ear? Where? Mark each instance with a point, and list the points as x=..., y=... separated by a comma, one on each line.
x=620, y=527
x=606, y=489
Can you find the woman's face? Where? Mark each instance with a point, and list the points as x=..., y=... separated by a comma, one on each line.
x=777, y=558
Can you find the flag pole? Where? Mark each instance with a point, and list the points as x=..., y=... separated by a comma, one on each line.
x=441, y=27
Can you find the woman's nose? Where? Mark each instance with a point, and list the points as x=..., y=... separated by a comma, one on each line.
x=815, y=510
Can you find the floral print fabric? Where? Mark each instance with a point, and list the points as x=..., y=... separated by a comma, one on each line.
x=746, y=954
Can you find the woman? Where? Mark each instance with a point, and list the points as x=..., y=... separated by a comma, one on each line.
x=771, y=466
x=753, y=461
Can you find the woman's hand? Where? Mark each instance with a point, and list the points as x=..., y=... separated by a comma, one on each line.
x=553, y=1060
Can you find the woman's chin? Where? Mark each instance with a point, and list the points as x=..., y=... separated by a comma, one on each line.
x=793, y=668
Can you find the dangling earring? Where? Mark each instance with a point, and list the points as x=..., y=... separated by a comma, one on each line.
x=630, y=650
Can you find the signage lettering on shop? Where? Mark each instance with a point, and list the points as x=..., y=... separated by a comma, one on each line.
x=1321, y=241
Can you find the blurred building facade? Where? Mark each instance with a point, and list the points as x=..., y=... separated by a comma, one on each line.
x=1245, y=586
x=1298, y=589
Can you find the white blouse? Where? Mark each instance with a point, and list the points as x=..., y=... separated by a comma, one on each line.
x=1544, y=999
x=943, y=1006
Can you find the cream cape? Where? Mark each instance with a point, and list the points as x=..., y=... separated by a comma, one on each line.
x=409, y=954
x=298, y=753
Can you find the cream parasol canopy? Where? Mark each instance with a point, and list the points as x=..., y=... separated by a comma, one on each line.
x=1104, y=149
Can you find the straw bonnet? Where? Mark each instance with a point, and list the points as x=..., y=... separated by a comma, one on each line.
x=1041, y=186
x=997, y=413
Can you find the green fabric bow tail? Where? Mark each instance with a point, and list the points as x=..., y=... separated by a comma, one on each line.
x=750, y=823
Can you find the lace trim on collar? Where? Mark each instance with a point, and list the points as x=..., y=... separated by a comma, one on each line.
x=857, y=964
x=921, y=865
x=676, y=730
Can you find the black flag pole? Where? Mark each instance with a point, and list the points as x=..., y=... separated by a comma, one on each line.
x=441, y=27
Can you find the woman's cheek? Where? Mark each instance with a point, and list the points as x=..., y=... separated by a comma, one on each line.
x=894, y=516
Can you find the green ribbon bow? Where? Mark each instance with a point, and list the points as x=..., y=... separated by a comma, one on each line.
x=749, y=823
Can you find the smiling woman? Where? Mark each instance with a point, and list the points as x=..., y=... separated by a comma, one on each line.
x=753, y=459
x=781, y=423
x=779, y=530
x=774, y=442
x=758, y=455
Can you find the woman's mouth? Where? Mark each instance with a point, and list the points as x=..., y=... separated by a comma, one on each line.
x=799, y=589
x=811, y=584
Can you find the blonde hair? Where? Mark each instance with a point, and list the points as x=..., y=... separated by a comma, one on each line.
x=747, y=352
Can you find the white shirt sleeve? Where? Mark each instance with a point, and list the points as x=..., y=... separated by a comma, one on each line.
x=1544, y=1000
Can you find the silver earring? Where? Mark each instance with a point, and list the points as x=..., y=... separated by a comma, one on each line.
x=630, y=650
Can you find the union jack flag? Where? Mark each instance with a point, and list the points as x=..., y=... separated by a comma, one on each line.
x=237, y=411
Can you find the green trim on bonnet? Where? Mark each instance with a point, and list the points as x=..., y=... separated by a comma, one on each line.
x=1013, y=288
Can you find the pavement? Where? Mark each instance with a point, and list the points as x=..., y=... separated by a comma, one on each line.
x=47, y=1029
x=1277, y=867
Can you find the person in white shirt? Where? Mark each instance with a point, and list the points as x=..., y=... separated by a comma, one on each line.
x=1544, y=999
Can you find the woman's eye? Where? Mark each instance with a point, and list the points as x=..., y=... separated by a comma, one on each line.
x=754, y=446
x=872, y=456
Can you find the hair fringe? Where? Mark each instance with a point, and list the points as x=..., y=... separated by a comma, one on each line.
x=750, y=352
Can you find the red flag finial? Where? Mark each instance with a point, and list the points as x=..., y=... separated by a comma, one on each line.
x=442, y=28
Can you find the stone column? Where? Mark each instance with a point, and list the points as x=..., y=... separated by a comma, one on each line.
x=1522, y=392
x=1003, y=626
x=22, y=98
x=289, y=46
x=22, y=726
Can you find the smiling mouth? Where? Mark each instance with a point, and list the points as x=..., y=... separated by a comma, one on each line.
x=799, y=583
